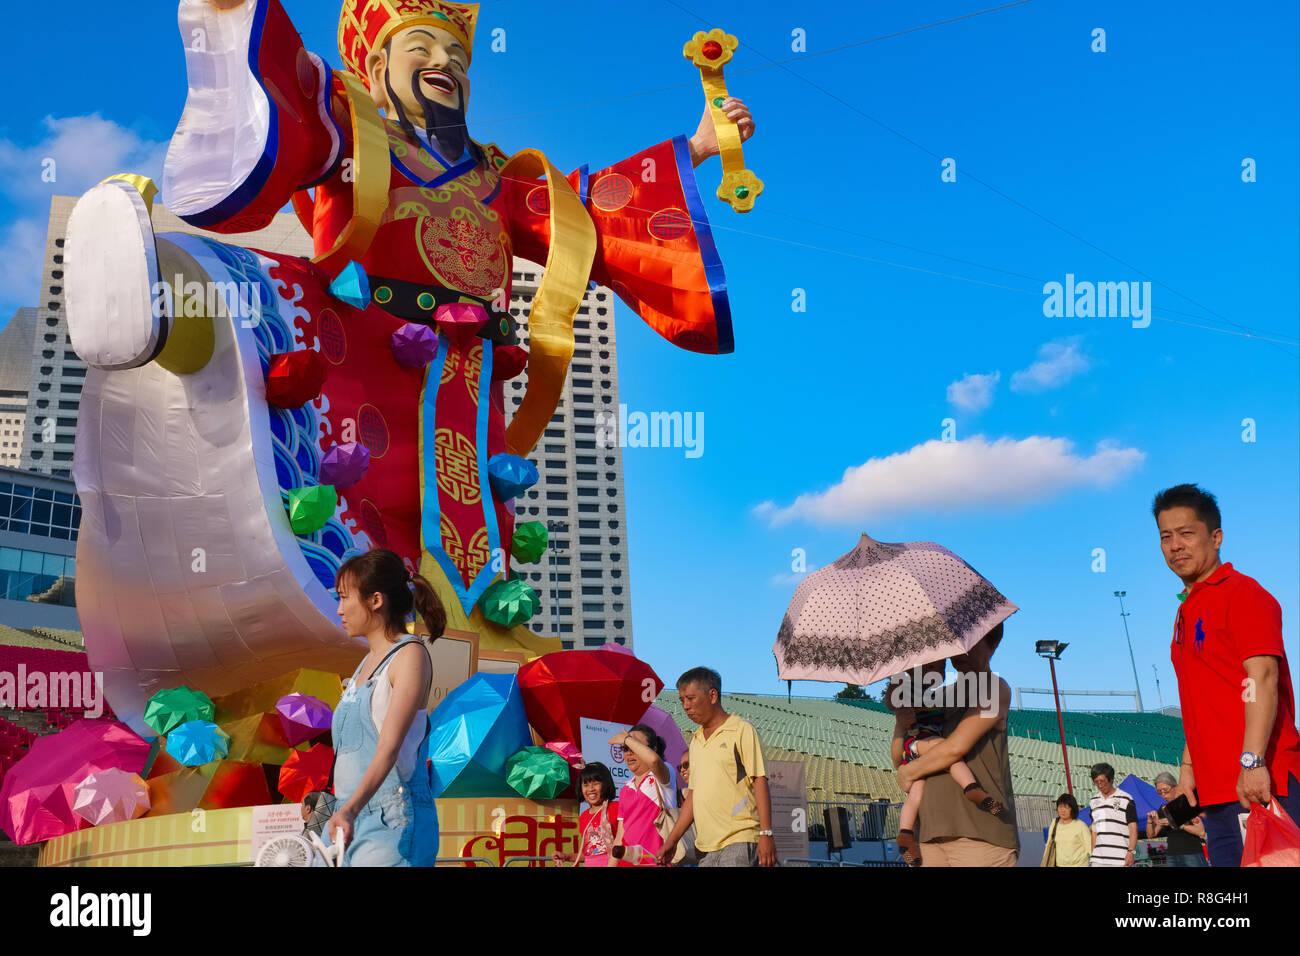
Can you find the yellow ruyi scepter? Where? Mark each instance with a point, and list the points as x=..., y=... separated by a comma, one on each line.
x=711, y=52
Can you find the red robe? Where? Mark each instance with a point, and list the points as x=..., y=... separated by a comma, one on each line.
x=454, y=227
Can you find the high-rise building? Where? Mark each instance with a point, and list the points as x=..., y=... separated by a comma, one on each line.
x=57, y=374
x=15, y=372
x=583, y=577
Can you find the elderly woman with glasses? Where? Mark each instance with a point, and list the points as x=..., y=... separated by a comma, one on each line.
x=1185, y=845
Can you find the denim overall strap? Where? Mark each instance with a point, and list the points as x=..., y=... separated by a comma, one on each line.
x=355, y=736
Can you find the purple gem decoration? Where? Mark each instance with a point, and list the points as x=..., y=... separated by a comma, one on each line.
x=414, y=345
x=303, y=717
x=344, y=465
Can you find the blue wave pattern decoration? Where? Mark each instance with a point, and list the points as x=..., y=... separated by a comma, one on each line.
x=293, y=431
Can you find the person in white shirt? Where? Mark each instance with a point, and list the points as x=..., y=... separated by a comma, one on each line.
x=1114, y=821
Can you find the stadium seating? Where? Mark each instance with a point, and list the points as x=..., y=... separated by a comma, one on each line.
x=844, y=745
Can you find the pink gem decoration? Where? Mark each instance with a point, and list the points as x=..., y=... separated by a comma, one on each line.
x=570, y=752
x=344, y=465
x=111, y=796
x=303, y=717
x=414, y=345
x=460, y=321
x=38, y=793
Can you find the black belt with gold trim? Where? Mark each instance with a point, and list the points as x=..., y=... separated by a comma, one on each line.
x=416, y=302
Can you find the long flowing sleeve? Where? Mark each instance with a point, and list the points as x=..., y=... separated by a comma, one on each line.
x=655, y=249
x=259, y=122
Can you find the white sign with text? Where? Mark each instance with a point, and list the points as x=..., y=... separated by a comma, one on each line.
x=271, y=821
x=596, y=748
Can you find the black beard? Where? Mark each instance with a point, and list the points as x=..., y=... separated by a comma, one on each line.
x=444, y=124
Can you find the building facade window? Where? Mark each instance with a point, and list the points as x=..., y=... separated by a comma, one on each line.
x=37, y=576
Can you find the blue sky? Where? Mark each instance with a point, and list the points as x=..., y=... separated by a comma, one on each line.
x=1117, y=166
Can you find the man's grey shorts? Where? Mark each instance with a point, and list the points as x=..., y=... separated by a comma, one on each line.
x=735, y=854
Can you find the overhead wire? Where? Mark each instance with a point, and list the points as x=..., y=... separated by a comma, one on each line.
x=1244, y=331
x=1270, y=337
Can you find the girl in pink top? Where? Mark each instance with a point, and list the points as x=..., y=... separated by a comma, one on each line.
x=598, y=823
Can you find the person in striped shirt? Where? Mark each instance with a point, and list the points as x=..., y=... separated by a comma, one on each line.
x=1114, y=821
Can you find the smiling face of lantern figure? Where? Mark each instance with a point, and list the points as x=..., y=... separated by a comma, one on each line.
x=421, y=76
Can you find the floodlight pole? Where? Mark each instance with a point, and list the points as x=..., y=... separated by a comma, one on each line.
x=1060, y=723
x=1124, y=617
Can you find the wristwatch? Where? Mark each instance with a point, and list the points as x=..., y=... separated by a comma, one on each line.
x=1250, y=761
x=764, y=832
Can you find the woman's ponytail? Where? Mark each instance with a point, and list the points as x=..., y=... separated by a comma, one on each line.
x=429, y=606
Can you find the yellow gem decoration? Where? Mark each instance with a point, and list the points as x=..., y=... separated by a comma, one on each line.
x=740, y=188
x=694, y=50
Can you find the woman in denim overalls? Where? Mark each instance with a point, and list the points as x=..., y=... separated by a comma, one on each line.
x=381, y=725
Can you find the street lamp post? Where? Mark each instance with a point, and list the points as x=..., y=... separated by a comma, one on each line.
x=1052, y=650
x=1124, y=617
x=1159, y=696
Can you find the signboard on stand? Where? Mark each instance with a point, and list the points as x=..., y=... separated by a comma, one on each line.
x=786, y=785
x=596, y=748
x=454, y=656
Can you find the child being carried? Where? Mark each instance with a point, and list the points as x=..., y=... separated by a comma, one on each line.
x=916, y=732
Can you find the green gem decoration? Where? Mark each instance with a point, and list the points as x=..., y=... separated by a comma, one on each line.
x=742, y=192
x=509, y=603
x=168, y=709
x=536, y=773
x=310, y=508
x=425, y=301
x=528, y=542
x=383, y=295
x=718, y=101
x=505, y=326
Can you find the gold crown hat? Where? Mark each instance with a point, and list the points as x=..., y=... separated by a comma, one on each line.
x=366, y=25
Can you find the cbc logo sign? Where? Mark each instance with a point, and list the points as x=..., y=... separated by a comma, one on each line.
x=616, y=753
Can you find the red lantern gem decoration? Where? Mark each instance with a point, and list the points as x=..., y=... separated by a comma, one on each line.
x=507, y=362
x=712, y=50
x=305, y=771
x=295, y=378
x=560, y=689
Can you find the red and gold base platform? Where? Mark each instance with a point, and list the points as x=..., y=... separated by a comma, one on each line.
x=490, y=830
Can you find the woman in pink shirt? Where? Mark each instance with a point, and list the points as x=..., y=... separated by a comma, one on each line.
x=646, y=799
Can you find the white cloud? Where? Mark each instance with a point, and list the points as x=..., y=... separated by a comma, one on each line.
x=791, y=579
x=22, y=249
x=84, y=150
x=1058, y=362
x=974, y=393
x=957, y=476
x=75, y=153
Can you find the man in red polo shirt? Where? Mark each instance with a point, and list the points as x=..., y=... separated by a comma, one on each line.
x=1234, y=684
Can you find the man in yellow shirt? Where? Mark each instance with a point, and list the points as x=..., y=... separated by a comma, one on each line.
x=728, y=800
